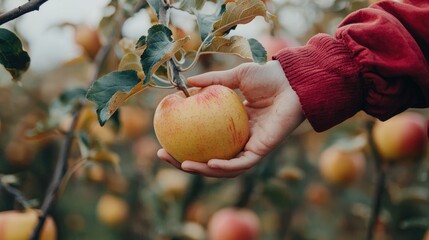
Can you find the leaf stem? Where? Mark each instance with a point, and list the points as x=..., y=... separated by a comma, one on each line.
x=31, y=5
x=197, y=54
x=177, y=80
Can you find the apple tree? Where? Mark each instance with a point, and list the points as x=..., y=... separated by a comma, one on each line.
x=78, y=145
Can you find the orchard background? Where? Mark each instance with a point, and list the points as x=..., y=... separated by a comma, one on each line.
x=331, y=185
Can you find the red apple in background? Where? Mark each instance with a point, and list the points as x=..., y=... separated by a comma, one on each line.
x=401, y=137
x=341, y=166
x=233, y=224
x=16, y=225
x=210, y=124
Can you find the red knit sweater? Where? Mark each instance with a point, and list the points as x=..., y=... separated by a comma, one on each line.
x=376, y=62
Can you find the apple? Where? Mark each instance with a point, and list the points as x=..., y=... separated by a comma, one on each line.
x=211, y=123
x=112, y=210
x=18, y=225
x=88, y=38
x=172, y=183
x=194, y=231
x=198, y=212
x=341, y=166
x=318, y=194
x=426, y=237
x=233, y=224
x=134, y=122
x=401, y=137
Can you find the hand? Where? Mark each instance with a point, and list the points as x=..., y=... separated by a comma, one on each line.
x=274, y=112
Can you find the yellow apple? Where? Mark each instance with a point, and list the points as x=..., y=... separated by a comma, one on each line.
x=135, y=121
x=341, y=166
x=18, y=225
x=172, y=183
x=112, y=210
x=401, y=137
x=234, y=224
x=210, y=124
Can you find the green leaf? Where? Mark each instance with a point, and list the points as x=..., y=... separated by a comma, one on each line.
x=160, y=47
x=206, y=21
x=239, y=12
x=191, y=5
x=70, y=96
x=113, y=89
x=249, y=49
x=12, y=55
x=141, y=42
x=155, y=5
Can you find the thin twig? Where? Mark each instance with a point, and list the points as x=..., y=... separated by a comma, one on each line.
x=246, y=190
x=30, y=6
x=16, y=194
x=380, y=184
x=58, y=174
x=193, y=191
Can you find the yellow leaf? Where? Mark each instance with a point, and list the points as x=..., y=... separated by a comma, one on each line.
x=120, y=97
x=235, y=45
x=130, y=61
x=239, y=12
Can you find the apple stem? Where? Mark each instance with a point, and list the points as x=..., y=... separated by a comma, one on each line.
x=164, y=19
x=177, y=80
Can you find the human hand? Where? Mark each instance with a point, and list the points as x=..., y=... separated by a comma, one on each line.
x=274, y=112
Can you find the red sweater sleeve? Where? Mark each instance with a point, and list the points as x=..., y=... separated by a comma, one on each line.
x=376, y=62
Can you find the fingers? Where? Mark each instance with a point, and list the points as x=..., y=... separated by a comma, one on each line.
x=197, y=167
x=243, y=162
x=203, y=169
x=229, y=78
x=163, y=155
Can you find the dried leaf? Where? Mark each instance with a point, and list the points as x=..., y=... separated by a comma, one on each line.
x=239, y=12
x=249, y=49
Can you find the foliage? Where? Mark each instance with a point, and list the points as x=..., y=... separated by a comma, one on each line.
x=286, y=190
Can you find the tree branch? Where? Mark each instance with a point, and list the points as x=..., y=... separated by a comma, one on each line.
x=58, y=174
x=380, y=183
x=31, y=5
x=60, y=168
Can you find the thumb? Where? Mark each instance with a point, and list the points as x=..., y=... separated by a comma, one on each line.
x=229, y=78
